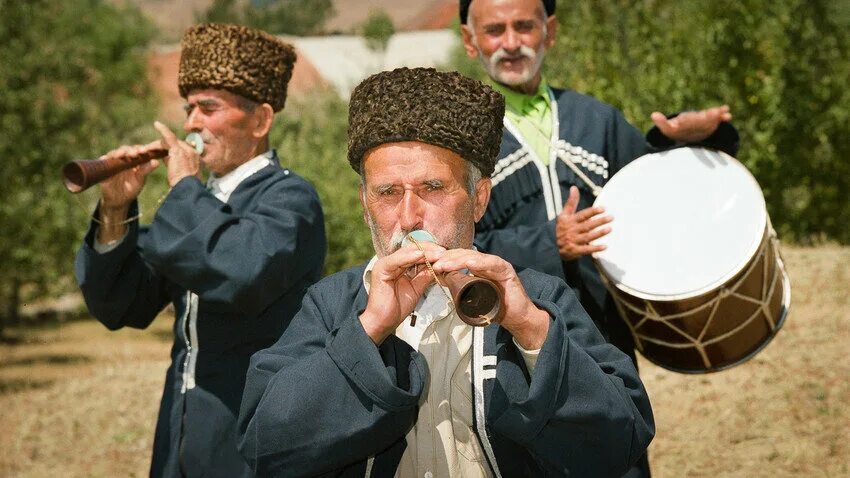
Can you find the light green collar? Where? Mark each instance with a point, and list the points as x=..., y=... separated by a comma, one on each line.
x=521, y=103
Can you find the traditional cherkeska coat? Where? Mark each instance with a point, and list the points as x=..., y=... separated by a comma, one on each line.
x=527, y=195
x=325, y=401
x=249, y=261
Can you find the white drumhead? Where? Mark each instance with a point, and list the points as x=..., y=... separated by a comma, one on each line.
x=685, y=222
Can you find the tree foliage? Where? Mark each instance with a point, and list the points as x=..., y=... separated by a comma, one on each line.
x=292, y=17
x=311, y=138
x=72, y=84
x=781, y=66
x=377, y=30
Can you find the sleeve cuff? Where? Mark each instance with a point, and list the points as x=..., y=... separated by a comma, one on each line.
x=110, y=246
x=725, y=138
x=528, y=356
x=360, y=361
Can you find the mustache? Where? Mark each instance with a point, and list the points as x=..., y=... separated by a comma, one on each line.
x=396, y=240
x=522, y=52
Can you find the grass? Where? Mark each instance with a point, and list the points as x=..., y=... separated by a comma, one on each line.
x=78, y=400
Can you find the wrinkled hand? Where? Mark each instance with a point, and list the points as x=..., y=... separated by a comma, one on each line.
x=526, y=323
x=121, y=189
x=574, y=231
x=692, y=126
x=395, y=288
x=182, y=160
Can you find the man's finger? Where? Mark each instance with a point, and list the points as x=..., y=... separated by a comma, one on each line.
x=588, y=213
x=167, y=135
x=661, y=122
x=398, y=262
x=572, y=202
x=593, y=223
x=596, y=234
x=590, y=249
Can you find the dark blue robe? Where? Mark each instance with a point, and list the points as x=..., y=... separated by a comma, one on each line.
x=250, y=261
x=325, y=401
x=519, y=224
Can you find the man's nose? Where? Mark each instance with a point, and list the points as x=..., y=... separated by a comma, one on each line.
x=511, y=41
x=411, y=210
x=193, y=122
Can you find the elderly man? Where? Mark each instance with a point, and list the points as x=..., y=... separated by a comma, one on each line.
x=557, y=147
x=234, y=256
x=357, y=386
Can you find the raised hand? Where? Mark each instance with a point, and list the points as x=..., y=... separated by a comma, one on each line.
x=118, y=191
x=574, y=231
x=692, y=126
x=121, y=189
x=182, y=160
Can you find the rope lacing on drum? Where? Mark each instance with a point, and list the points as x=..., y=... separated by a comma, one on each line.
x=648, y=312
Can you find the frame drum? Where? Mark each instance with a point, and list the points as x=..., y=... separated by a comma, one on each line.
x=692, y=261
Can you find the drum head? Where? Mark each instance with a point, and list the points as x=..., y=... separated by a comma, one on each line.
x=685, y=222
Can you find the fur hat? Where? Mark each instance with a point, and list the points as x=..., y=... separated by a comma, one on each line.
x=444, y=109
x=464, y=9
x=248, y=62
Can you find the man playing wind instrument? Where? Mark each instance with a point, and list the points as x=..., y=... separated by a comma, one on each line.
x=234, y=256
x=357, y=387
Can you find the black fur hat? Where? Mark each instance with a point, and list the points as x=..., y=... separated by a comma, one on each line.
x=444, y=109
x=464, y=9
x=241, y=60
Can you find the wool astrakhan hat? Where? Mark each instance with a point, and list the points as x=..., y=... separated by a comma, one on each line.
x=444, y=109
x=245, y=61
x=464, y=9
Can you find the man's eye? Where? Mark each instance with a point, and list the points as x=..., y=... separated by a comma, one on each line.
x=524, y=27
x=494, y=30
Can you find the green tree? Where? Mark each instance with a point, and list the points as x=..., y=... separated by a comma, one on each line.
x=292, y=17
x=72, y=84
x=377, y=30
x=781, y=66
x=311, y=138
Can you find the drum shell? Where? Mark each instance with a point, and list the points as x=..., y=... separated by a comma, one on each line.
x=719, y=328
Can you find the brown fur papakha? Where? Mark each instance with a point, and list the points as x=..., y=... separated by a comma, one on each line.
x=444, y=109
x=245, y=61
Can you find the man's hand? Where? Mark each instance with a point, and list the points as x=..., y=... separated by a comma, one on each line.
x=395, y=288
x=182, y=160
x=119, y=191
x=526, y=323
x=692, y=126
x=575, y=230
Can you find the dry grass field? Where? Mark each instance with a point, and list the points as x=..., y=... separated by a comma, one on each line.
x=79, y=401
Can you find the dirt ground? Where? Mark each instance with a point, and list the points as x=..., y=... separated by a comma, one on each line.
x=80, y=401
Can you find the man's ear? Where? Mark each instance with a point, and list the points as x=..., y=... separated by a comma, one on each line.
x=551, y=31
x=468, y=41
x=482, y=197
x=263, y=117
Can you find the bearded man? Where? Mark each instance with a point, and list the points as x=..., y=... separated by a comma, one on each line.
x=557, y=146
x=378, y=375
x=234, y=257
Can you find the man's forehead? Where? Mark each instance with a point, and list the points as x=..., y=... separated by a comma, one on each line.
x=210, y=94
x=492, y=11
x=411, y=161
